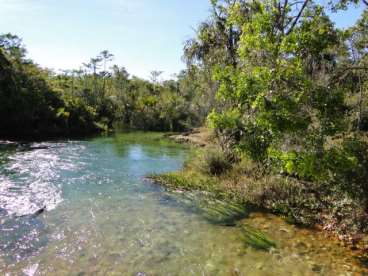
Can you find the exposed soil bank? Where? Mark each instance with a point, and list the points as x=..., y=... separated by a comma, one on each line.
x=200, y=137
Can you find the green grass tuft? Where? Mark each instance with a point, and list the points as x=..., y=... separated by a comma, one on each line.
x=256, y=239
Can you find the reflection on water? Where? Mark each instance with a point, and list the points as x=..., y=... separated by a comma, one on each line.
x=102, y=218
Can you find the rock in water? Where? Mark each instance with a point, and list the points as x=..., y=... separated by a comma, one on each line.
x=39, y=212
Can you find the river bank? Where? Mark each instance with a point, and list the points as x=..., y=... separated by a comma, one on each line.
x=299, y=202
x=104, y=218
x=199, y=137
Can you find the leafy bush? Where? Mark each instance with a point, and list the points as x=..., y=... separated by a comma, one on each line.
x=345, y=166
x=349, y=167
x=305, y=165
x=255, y=143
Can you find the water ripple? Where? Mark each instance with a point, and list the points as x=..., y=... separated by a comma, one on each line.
x=30, y=178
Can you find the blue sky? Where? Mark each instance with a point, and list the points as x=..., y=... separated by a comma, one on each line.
x=144, y=35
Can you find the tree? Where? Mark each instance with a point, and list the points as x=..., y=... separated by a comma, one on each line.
x=278, y=91
x=12, y=45
x=106, y=56
x=357, y=68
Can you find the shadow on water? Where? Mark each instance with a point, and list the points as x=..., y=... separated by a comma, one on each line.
x=223, y=213
x=214, y=211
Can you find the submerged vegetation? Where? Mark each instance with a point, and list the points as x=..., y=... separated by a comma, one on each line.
x=284, y=91
x=289, y=117
x=256, y=239
x=225, y=213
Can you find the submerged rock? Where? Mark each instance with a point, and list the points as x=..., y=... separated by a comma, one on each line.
x=39, y=211
x=34, y=214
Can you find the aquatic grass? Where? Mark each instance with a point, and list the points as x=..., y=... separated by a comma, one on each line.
x=180, y=181
x=216, y=204
x=136, y=225
x=256, y=239
x=222, y=212
x=248, y=184
x=245, y=184
x=215, y=211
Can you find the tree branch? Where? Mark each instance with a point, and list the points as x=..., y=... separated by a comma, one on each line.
x=297, y=17
x=345, y=71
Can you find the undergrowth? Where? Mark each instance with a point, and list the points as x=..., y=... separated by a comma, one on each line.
x=246, y=182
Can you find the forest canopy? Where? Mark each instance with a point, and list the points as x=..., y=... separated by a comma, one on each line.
x=37, y=102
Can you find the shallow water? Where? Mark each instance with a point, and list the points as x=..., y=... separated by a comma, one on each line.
x=103, y=218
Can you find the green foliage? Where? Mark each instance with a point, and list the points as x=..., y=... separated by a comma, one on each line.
x=256, y=239
x=281, y=104
x=30, y=106
x=349, y=166
x=255, y=142
x=343, y=166
x=37, y=102
x=226, y=120
x=290, y=96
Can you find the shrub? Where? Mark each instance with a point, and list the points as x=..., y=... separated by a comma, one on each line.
x=349, y=167
x=344, y=166
x=215, y=162
x=255, y=143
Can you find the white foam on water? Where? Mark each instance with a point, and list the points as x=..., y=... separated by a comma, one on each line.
x=31, y=270
x=31, y=179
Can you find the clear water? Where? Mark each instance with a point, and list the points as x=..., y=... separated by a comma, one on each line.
x=103, y=218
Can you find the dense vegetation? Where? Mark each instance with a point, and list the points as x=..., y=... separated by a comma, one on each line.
x=290, y=111
x=285, y=91
x=37, y=102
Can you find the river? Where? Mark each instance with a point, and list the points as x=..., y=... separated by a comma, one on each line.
x=102, y=217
